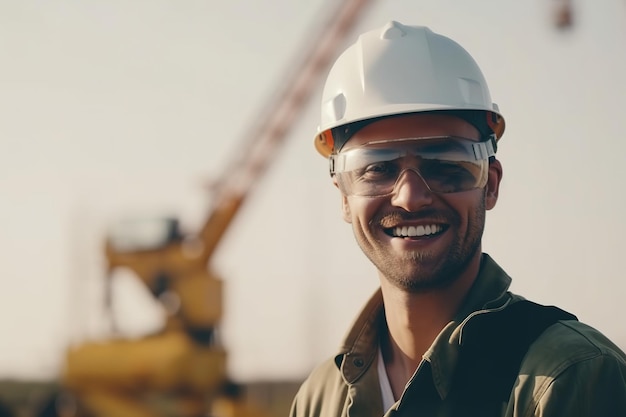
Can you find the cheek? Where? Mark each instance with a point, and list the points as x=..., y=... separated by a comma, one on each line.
x=359, y=210
x=467, y=204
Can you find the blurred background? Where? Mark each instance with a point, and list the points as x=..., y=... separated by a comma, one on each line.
x=145, y=109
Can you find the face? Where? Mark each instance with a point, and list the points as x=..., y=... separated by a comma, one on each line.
x=420, y=240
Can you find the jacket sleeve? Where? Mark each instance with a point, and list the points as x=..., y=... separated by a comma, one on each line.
x=595, y=387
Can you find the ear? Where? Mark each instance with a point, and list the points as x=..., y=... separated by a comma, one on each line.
x=345, y=209
x=345, y=206
x=493, y=184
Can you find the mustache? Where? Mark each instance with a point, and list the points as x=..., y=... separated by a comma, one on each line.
x=391, y=219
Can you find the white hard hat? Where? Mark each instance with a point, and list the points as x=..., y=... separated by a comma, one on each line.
x=400, y=69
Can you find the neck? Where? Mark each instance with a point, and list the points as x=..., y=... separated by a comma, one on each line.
x=415, y=319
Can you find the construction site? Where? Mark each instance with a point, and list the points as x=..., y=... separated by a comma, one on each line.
x=200, y=249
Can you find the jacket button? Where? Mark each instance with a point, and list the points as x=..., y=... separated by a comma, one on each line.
x=358, y=362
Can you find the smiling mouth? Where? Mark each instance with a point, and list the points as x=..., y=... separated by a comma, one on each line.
x=416, y=231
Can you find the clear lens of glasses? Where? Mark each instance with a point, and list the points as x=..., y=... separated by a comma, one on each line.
x=446, y=164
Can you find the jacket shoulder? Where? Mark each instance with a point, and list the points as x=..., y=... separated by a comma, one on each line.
x=323, y=393
x=566, y=343
x=572, y=369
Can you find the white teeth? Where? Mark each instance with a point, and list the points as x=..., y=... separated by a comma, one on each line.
x=416, y=231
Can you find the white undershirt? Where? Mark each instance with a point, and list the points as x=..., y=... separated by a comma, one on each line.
x=385, y=386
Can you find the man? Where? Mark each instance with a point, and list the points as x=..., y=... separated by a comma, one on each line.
x=411, y=134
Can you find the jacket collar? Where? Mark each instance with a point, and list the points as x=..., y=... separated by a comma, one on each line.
x=360, y=346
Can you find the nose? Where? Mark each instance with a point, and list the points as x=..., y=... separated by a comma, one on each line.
x=411, y=191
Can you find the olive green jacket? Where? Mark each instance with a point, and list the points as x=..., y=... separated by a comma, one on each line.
x=570, y=370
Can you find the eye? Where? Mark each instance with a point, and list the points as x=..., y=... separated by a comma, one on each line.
x=449, y=174
x=379, y=171
x=452, y=170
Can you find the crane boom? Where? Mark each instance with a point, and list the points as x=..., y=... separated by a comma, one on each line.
x=243, y=173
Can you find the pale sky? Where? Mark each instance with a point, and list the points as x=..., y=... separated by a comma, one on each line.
x=110, y=109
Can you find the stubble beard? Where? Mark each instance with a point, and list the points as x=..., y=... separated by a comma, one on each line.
x=420, y=271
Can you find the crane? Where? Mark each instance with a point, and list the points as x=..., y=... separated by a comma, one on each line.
x=185, y=362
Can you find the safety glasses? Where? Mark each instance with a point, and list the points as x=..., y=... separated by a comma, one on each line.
x=446, y=164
